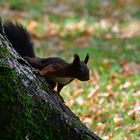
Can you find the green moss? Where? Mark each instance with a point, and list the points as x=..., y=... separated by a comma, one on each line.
x=1, y=64
x=19, y=117
x=22, y=117
x=4, y=52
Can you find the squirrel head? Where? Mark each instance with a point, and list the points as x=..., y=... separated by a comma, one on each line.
x=79, y=69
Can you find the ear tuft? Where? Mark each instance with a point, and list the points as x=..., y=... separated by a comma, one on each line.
x=76, y=60
x=86, y=59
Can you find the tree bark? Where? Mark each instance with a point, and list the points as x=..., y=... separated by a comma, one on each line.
x=29, y=108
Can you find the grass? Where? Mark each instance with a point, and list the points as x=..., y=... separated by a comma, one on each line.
x=109, y=102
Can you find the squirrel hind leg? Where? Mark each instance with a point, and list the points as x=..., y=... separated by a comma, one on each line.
x=59, y=88
x=51, y=83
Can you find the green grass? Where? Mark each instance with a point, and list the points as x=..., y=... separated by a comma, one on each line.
x=117, y=93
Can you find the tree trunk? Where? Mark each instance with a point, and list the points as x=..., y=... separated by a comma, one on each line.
x=29, y=108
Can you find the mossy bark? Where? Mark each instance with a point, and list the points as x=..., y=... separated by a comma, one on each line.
x=29, y=108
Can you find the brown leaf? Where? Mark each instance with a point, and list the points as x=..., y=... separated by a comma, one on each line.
x=125, y=85
x=32, y=26
x=135, y=113
x=83, y=41
x=71, y=103
x=125, y=103
x=87, y=119
x=93, y=92
x=100, y=127
x=118, y=121
x=129, y=69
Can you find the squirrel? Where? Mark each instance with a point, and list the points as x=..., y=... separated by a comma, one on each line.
x=56, y=70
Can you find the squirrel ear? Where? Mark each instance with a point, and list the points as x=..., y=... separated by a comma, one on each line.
x=76, y=59
x=86, y=59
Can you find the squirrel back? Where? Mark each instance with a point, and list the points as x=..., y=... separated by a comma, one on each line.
x=20, y=38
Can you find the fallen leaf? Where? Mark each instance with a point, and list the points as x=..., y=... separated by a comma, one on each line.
x=32, y=26
x=93, y=92
x=100, y=127
x=125, y=85
x=87, y=120
x=129, y=69
x=118, y=121
x=71, y=103
x=135, y=113
x=125, y=103
x=83, y=41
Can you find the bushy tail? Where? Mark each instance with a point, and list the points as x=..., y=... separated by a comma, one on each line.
x=20, y=38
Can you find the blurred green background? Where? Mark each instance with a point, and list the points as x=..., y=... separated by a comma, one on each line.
x=109, y=103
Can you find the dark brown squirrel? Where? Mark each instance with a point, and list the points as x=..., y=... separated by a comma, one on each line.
x=59, y=71
x=54, y=69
